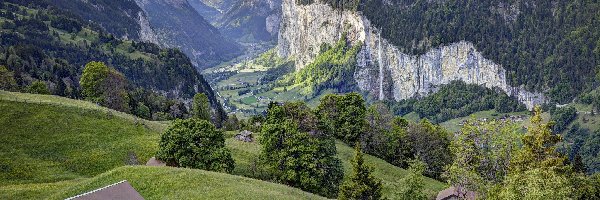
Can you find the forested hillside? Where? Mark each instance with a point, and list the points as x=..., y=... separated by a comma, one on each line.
x=45, y=46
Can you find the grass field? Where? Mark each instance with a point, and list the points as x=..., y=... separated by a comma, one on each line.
x=53, y=144
x=47, y=143
x=178, y=183
x=245, y=153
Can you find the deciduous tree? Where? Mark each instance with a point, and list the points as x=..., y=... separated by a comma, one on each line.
x=195, y=143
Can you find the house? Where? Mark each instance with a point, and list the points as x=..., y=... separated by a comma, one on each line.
x=119, y=190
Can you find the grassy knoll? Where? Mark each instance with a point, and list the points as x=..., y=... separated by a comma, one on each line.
x=178, y=183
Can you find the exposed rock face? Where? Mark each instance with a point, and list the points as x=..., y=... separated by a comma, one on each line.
x=146, y=32
x=383, y=70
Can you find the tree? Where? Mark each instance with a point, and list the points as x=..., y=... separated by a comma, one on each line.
x=482, y=153
x=562, y=117
x=201, y=107
x=361, y=184
x=430, y=143
x=413, y=184
x=38, y=87
x=106, y=86
x=114, y=91
x=590, y=152
x=343, y=116
x=7, y=80
x=297, y=153
x=91, y=80
x=537, y=171
x=141, y=110
x=195, y=143
x=385, y=136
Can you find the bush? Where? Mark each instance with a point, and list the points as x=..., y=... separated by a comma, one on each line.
x=38, y=87
x=194, y=143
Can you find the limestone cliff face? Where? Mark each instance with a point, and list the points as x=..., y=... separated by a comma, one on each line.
x=383, y=70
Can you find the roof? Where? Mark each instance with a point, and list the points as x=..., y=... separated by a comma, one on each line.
x=455, y=193
x=119, y=190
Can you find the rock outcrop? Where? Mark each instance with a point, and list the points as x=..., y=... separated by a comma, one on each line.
x=384, y=71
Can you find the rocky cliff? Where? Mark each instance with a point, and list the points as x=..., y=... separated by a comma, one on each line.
x=384, y=71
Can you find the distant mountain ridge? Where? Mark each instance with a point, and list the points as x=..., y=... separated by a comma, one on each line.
x=168, y=23
x=178, y=25
x=242, y=20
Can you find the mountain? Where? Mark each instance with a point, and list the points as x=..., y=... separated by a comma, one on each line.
x=170, y=24
x=407, y=49
x=178, y=25
x=243, y=20
x=253, y=20
x=209, y=13
x=41, y=42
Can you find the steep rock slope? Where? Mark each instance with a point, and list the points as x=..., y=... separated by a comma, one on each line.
x=383, y=70
x=178, y=25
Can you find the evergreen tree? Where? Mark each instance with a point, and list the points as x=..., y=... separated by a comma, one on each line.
x=361, y=184
x=201, y=107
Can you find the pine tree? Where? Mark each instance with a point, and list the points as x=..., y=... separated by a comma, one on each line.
x=201, y=107
x=361, y=184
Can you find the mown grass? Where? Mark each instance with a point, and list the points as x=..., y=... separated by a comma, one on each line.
x=36, y=190
x=49, y=142
x=179, y=183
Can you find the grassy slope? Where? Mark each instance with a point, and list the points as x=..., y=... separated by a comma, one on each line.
x=103, y=142
x=178, y=183
x=244, y=154
x=48, y=142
